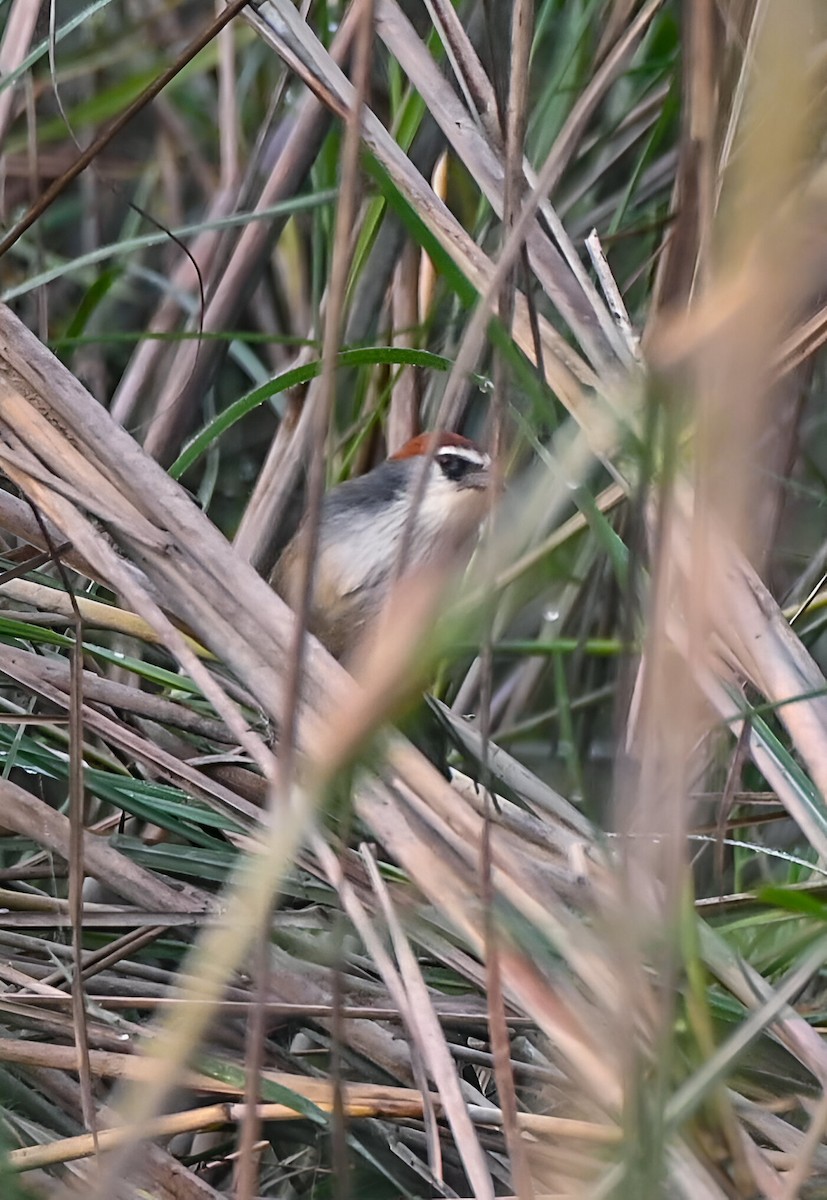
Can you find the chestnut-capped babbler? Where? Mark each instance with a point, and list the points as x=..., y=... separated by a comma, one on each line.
x=365, y=521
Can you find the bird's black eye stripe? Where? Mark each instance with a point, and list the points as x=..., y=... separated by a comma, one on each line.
x=457, y=466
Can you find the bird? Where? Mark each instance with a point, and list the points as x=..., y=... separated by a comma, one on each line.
x=422, y=507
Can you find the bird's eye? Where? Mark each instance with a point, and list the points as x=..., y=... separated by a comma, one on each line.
x=456, y=466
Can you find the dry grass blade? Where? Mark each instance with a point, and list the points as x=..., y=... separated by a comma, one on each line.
x=733, y=602
x=17, y=36
x=432, y=1042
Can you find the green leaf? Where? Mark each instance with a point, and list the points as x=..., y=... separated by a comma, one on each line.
x=366, y=356
x=794, y=901
x=93, y=297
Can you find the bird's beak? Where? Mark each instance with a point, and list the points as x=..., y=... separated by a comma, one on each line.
x=477, y=481
x=486, y=478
